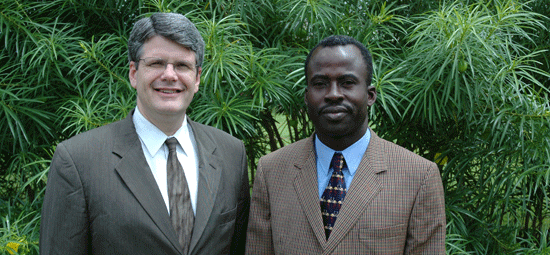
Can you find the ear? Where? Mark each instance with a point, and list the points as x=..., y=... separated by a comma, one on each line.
x=305, y=96
x=198, y=81
x=371, y=95
x=132, y=74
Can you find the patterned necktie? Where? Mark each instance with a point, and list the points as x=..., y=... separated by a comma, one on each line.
x=334, y=194
x=181, y=210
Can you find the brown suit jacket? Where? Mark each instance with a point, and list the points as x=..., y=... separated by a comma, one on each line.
x=394, y=205
x=102, y=198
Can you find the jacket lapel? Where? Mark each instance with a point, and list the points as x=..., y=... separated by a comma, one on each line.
x=136, y=174
x=209, y=180
x=364, y=188
x=305, y=185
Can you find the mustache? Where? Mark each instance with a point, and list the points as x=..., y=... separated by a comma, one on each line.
x=332, y=107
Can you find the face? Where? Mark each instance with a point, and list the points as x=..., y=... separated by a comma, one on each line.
x=337, y=96
x=164, y=93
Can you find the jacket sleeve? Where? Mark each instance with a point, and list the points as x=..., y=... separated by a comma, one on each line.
x=64, y=226
x=426, y=233
x=259, y=237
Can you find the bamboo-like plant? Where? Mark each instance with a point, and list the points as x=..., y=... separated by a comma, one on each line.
x=463, y=83
x=473, y=99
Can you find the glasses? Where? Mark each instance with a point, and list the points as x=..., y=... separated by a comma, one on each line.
x=159, y=65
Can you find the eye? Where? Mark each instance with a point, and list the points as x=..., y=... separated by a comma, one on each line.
x=318, y=84
x=181, y=66
x=348, y=83
x=156, y=63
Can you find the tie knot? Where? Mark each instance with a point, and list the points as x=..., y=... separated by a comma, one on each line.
x=171, y=143
x=337, y=161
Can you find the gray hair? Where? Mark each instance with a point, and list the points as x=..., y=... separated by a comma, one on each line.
x=172, y=26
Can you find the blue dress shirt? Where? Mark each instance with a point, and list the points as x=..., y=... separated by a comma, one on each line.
x=352, y=155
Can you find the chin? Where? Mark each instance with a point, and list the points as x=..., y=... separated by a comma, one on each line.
x=333, y=133
x=171, y=111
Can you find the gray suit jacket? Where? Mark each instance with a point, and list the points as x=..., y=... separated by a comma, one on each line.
x=394, y=205
x=101, y=197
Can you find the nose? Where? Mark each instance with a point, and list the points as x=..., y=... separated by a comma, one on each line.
x=169, y=73
x=334, y=93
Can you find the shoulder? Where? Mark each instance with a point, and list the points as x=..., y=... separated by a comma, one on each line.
x=102, y=136
x=108, y=130
x=395, y=151
x=295, y=151
x=92, y=151
x=399, y=161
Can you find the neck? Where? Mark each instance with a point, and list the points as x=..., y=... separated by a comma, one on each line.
x=167, y=123
x=340, y=142
x=168, y=127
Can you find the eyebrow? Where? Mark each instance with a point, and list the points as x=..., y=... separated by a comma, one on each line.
x=341, y=77
x=346, y=76
x=175, y=60
x=183, y=61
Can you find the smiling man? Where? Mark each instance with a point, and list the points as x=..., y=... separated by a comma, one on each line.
x=344, y=190
x=155, y=182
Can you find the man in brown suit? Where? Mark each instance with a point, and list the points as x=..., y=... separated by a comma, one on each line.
x=379, y=199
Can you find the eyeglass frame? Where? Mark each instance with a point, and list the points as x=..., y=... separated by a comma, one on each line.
x=175, y=65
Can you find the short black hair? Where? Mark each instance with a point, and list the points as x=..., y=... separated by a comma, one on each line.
x=342, y=40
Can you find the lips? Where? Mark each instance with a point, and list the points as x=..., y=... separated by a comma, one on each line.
x=334, y=109
x=169, y=91
x=334, y=113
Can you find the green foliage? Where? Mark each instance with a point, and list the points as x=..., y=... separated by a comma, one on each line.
x=472, y=101
x=20, y=233
x=463, y=83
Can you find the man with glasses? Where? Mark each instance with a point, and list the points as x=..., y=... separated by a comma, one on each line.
x=155, y=182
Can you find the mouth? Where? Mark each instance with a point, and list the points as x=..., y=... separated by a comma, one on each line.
x=169, y=91
x=335, y=113
x=334, y=109
x=334, y=116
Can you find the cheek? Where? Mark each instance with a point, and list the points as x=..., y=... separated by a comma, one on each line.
x=359, y=98
x=143, y=81
x=312, y=99
x=141, y=86
x=189, y=80
x=362, y=106
x=311, y=111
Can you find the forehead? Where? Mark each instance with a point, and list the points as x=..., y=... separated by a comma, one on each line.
x=159, y=46
x=340, y=58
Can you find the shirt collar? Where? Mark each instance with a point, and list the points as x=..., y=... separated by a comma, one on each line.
x=154, y=138
x=352, y=154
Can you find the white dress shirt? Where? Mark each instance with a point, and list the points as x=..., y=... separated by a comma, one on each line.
x=156, y=153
